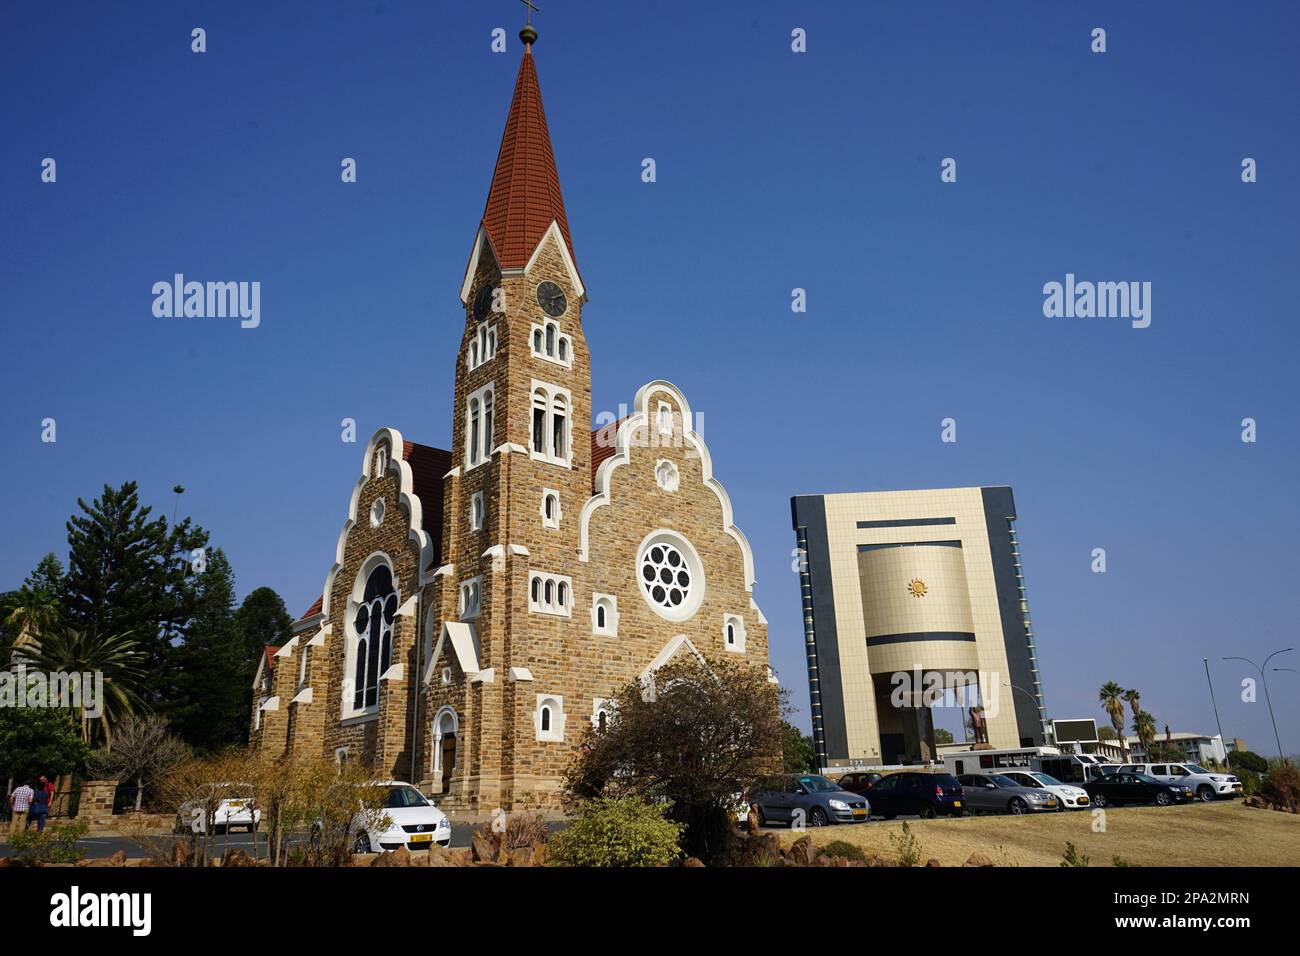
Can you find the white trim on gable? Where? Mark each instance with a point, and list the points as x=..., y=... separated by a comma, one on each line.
x=623, y=454
x=553, y=232
x=407, y=499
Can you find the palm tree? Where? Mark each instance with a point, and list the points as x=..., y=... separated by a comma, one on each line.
x=1144, y=726
x=116, y=657
x=31, y=612
x=1112, y=701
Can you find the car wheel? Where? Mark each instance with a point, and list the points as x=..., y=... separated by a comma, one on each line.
x=1017, y=806
x=362, y=844
x=1162, y=799
x=817, y=817
x=1099, y=800
x=927, y=812
x=1205, y=792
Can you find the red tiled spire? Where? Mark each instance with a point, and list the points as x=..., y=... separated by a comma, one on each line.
x=525, y=194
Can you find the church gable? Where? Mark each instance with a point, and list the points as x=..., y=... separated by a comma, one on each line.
x=658, y=534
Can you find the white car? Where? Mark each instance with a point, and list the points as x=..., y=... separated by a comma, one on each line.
x=1071, y=797
x=236, y=808
x=408, y=818
x=1206, y=784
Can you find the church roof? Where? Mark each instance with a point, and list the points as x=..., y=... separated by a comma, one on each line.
x=525, y=195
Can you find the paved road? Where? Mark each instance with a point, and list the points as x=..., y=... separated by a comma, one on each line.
x=98, y=847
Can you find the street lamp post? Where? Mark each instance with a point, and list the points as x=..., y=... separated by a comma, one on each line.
x=1215, y=704
x=1267, y=698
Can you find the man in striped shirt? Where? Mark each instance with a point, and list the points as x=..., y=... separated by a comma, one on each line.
x=21, y=801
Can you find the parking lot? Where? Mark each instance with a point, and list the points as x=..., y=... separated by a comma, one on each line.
x=1224, y=833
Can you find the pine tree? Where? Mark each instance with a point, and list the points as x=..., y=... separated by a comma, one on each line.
x=207, y=701
x=129, y=574
x=263, y=619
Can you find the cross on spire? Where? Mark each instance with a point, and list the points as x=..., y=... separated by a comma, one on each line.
x=528, y=34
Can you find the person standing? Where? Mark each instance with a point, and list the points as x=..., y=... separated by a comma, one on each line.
x=20, y=801
x=40, y=807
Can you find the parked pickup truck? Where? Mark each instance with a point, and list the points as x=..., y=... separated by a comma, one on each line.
x=1206, y=784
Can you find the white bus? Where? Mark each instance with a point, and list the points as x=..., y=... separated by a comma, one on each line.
x=1073, y=769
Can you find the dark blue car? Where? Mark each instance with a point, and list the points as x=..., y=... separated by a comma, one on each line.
x=808, y=799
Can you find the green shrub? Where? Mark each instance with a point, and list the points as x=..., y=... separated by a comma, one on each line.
x=1247, y=760
x=1251, y=782
x=906, y=846
x=1072, y=856
x=56, y=844
x=628, y=831
x=1118, y=860
x=843, y=849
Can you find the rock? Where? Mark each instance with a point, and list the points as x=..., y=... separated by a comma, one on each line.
x=801, y=851
x=118, y=858
x=399, y=857
x=933, y=862
x=482, y=849
x=6, y=861
x=438, y=856
x=882, y=861
x=237, y=856
x=522, y=856
x=691, y=862
x=102, y=861
x=977, y=859
x=751, y=821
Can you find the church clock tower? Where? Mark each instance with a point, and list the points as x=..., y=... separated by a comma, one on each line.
x=521, y=445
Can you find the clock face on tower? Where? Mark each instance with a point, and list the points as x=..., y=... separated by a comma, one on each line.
x=551, y=298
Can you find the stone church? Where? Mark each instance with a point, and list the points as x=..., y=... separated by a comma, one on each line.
x=485, y=601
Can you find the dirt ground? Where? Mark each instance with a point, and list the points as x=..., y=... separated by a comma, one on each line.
x=1213, y=834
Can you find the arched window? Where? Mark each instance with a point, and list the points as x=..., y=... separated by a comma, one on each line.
x=473, y=430
x=604, y=614
x=602, y=721
x=562, y=594
x=550, y=339
x=537, y=340
x=550, y=508
x=733, y=633
x=549, y=592
x=539, y=422
x=372, y=633
x=473, y=354
x=480, y=412
x=549, y=717
x=536, y=590
x=559, y=426
x=564, y=350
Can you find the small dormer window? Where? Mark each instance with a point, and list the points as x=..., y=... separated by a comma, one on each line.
x=471, y=598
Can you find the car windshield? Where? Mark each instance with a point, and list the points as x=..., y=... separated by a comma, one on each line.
x=1195, y=768
x=1047, y=780
x=399, y=797
x=817, y=784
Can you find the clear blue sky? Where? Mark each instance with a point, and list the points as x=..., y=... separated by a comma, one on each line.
x=775, y=171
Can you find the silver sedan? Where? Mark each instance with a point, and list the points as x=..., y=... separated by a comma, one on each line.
x=995, y=793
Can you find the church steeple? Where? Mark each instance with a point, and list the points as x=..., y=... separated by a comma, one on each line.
x=525, y=196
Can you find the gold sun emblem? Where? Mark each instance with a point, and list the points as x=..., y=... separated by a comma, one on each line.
x=916, y=587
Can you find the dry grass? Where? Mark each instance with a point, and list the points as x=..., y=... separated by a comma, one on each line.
x=1214, y=834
